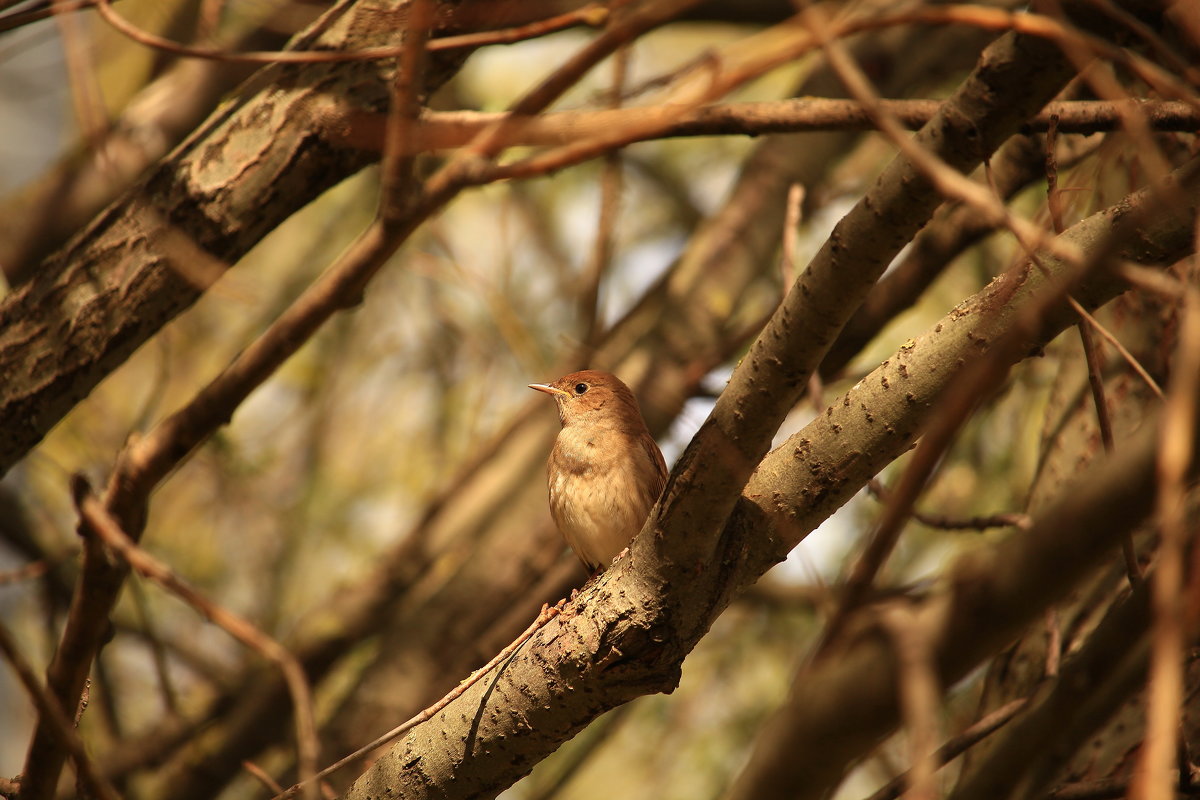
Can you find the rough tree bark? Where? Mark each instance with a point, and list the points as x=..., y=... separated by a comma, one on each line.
x=628, y=635
x=126, y=275
x=663, y=347
x=258, y=159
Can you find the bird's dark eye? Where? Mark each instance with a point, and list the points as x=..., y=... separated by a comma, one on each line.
x=580, y=388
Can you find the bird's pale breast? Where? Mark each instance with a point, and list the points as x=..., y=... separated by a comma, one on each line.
x=601, y=488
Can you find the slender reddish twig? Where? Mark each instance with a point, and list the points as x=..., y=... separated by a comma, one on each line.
x=260, y=775
x=1129, y=357
x=34, y=569
x=446, y=130
x=593, y=14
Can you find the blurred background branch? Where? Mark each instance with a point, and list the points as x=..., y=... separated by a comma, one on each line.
x=377, y=503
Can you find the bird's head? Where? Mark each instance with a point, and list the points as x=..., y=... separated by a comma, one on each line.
x=593, y=397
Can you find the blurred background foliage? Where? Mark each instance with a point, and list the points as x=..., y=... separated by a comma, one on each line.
x=341, y=453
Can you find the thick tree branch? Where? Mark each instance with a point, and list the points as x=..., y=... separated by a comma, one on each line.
x=250, y=166
x=92, y=310
x=676, y=334
x=845, y=703
x=145, y=462
x=800, y=483
x=951, y=231
x=1015, y=77
x=39, y=218
x=627, y=639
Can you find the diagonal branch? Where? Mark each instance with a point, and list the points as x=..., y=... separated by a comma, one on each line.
x=1015, y=77
x=143, y=464
x=99, y=522
x=253, y=163
x=737, y=240
x=48, y=707
x=630, y=631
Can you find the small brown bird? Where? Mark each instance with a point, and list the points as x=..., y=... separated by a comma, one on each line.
x=605, y=470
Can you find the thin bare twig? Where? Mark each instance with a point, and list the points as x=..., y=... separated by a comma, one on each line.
x=50, y=710
x=99, y=521
x=158, y=652
x=919, y=694
x=1053, y=197
x=957, y=745
x=86, y=98
x=791, y=235
x=1096, y=382
x=1155, y=779
x=1091, y=352
x=260, y=775
x=592, y=15
x=1151, y=280
x=1002, y=520
x=1121, y=349
x=611, y=187
x=32, y=570
x=1053, y=643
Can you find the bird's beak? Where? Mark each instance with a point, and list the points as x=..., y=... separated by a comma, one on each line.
x=548, y=389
